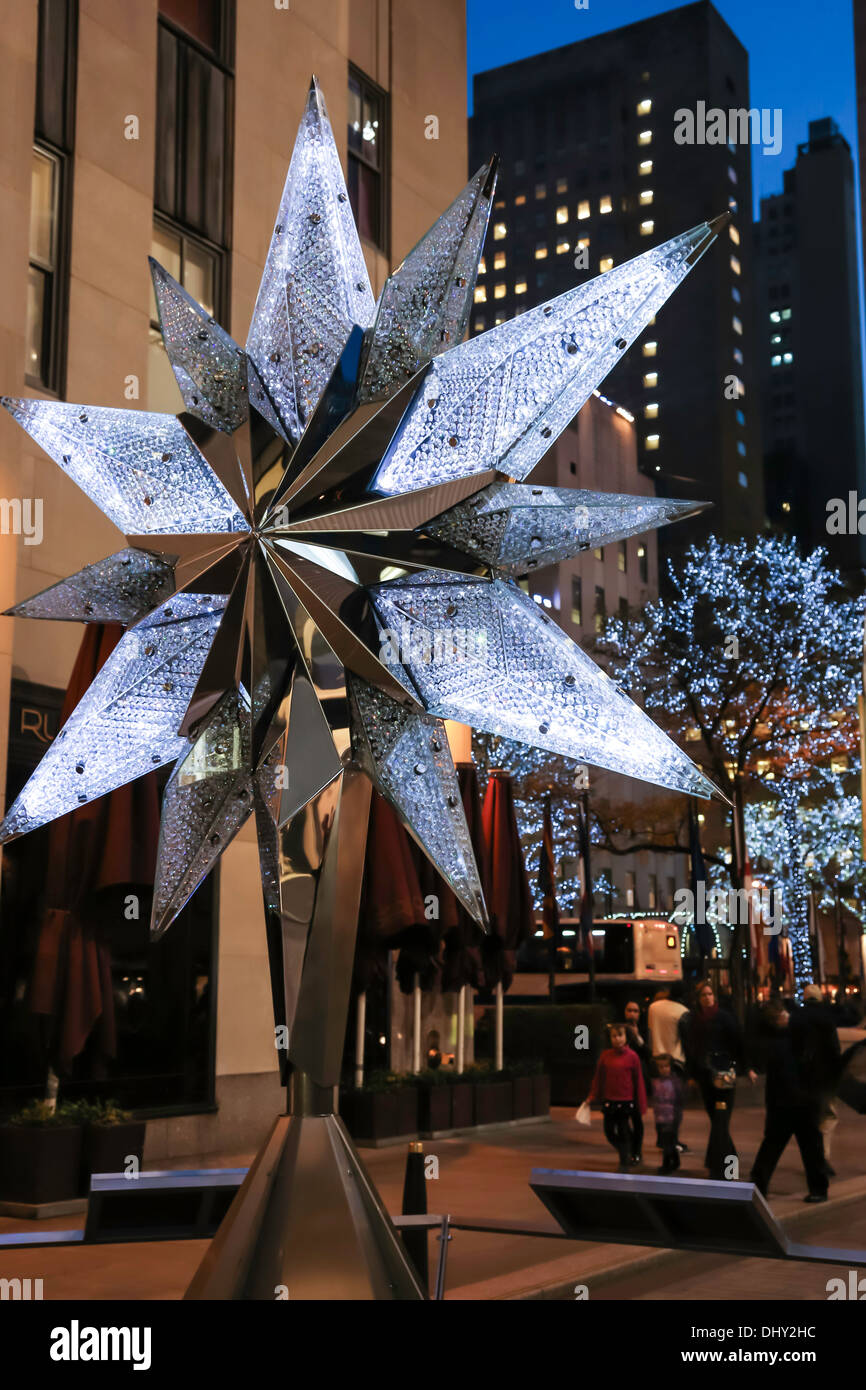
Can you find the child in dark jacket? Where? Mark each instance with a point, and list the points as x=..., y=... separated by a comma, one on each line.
x=667, y=1093
x=618, y=1084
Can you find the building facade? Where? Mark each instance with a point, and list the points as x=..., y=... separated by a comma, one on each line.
x=165, y=128
x=594, y=173
x=808, y=307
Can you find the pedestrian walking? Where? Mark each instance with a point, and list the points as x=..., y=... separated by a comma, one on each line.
x=664, y=1023
x=640, y=1047
x=714, y=1051
x=618, y=1084
x=792, y=1112
x=815, y=1042
x=667, y=1103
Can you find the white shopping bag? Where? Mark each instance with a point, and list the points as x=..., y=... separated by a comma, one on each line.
x=584, y=1114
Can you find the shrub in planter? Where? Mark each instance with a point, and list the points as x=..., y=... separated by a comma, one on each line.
x=382, y=1108
x=492, y=1097
x=110, y=1138
x=434, y=1101
x=521, y=1091
x=40, y=1152
x=462, y=1100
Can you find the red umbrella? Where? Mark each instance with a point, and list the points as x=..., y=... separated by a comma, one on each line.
x=509, y=900
x=462, y=936
x=108, y=845
x=391, y=914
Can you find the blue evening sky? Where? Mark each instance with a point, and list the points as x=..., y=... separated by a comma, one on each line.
x=801, y=55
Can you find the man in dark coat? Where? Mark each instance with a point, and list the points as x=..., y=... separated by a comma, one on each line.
x=792, y=1112
x=815, y=1042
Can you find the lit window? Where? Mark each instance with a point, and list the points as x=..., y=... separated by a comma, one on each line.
x=562, y=185
x=651, y=410
x=732, y=173
x=647, y=227
x=735, y=294
x=776, y=338
x=735, y=265
x=644, y=107
x=541, y=251
x=741, y=448
x=499, y=292
x=775, y=316
x=582, y=244
x=605, y=204
x=738, y=356
x=561, y=215
x=645, y=166
x=741, y=390
x=741, y=419
x=520, y=287
x=583, y=209
x=541, y=190
x=786, y=313
x=786, y=506
x=736, y=324
x=742, y=480
x=606, y=263
x=787, y=357
x=776, y=361
x=520, y=200
x=622, y=557
x=733, y=205
x=649, y=349
x=645, y=137
x=652, y=441
x=734, y=234
x=482, y=266
x=498, y=260
x=499, y=230
x=480, y=294
x=500, y=318
x=650, y=378
x=646, y=195
x=562, y=247
x=479, y=325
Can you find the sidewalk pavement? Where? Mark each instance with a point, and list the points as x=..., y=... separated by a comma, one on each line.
x=484, y=1175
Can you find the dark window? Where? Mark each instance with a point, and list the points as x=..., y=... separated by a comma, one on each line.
x=51, y=194
x=600, y=609
x=192, y=184
x=623, y=611
x=576, y=601
x=368, y=146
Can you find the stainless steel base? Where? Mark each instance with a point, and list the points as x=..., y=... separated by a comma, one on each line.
x=307, y=1223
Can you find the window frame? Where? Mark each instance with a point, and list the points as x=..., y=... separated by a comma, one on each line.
x=381, y=170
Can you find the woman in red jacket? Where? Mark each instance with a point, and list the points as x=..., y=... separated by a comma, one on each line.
x=618, y=1084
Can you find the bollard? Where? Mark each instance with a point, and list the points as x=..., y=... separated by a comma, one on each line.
x=415, y=1204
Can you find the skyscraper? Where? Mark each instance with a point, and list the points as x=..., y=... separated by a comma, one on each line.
x=592, y=175
x=809, y=348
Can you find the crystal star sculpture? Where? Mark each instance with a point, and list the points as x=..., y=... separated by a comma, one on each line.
x=322, y=549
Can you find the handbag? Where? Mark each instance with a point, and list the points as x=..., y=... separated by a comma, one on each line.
x=724, y=1078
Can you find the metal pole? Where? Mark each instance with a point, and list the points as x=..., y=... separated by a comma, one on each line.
x=461, y=1029
x=416, y=1027
x=500, y=1020
x=360, y=1029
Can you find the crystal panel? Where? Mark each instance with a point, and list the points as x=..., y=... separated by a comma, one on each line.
x=119, y=589
x=482, y=652
x=140, y=468
x=500, y=400
x=126, y=724
x=424, y=307
x=408, y=759
x=208, y=798
x=516, y=527
x=315, y=285
x=209, y=366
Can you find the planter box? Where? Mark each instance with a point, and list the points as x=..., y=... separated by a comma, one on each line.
x=569, y=1082
x=541, y=1095
x=372, y=1114
x=521, y=1097
x=39, y=1165
x=493, y=1103
x=406, y=1120
x=106, y=1148
x=462, y=1104
x=434, y=1108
